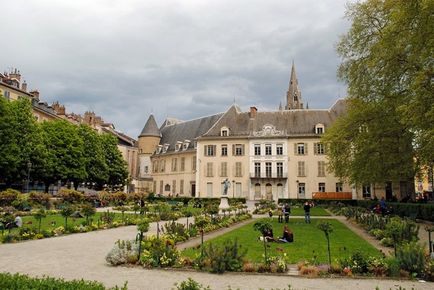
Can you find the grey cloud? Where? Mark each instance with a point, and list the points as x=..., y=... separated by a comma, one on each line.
x=185, y=59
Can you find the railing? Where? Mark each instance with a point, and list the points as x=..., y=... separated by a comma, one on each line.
x=332, y=195
x=272, y=175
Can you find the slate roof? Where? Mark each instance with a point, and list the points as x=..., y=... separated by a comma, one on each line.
x=186, y=130
x=288, y=122
x=150, y=128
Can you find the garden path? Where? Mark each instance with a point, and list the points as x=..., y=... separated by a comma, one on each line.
x=83, y=256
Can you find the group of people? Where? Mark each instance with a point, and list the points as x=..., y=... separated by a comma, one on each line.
x=285, y=210
x=287, y=236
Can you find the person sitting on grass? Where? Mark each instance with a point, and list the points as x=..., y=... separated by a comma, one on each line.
x=288, y=236
x=268, y=235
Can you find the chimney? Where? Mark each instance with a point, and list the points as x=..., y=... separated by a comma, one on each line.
x=253, y=111
x=35, y=94
x=24, y=86
x=15, y=74
x=60, y=109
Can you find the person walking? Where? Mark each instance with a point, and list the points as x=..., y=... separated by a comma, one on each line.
x=306, y=212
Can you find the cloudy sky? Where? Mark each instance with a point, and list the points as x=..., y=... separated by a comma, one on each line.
x=124, y=59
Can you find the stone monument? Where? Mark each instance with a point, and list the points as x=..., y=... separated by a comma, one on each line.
x=224, y=201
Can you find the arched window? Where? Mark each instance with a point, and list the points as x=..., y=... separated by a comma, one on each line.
x=257, y=191
x=269, y=191
x=167, y=187
x=280, y=190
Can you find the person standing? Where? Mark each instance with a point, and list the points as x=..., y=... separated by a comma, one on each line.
x=280, y=214
x=286, y=212
x=306, y=212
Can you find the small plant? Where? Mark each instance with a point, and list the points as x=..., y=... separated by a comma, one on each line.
x=67, y=210
x=263, y=226
x=411, y=258
x=327, y=228
x=190, y=284
x=88, y=211
x=142, y=227
x=39, y=215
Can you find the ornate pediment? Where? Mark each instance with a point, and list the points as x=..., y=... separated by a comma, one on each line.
x=268, y=130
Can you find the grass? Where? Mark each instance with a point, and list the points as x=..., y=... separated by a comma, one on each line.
x=309, y=242
x=53, y=221
x=315, y=211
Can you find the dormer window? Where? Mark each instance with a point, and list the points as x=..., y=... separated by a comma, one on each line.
x=185, y=145
x=195, y=144
x=159, y=148
x=178, y=145
x=165, y=147
x=319, y=129
x=224, y=131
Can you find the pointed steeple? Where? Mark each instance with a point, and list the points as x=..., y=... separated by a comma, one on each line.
x=280, y=106
x=293, y=96
x=150, y=128
x=307, y=106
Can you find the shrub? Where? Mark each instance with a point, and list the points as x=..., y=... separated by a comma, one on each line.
x=393, y=267
x=123, y=252
x=18, y=281
x=118, y=198
x=226, y=257
x=190, y=284
x=411, y=257
x=159, y=252
x=8, y=196
x=401, y=230
x=40, y=198
x=70, y=195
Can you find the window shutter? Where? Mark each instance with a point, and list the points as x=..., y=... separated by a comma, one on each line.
x=242, y=150
x=205, y=153
x=233, y=149
x=305, y=148
x=315, y=148
x=295, y=149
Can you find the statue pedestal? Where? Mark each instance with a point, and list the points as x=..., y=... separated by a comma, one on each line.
x=224, y=203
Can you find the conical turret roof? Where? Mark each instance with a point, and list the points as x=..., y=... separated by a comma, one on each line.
x=151, y=128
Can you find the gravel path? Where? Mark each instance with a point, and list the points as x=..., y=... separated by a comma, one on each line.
x=82, y=256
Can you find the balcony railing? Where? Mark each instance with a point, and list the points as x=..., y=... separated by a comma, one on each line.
x=272, y=175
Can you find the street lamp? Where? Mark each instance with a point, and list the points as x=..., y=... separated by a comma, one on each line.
x=29, y=167
x=430, y=242
x=233, y=188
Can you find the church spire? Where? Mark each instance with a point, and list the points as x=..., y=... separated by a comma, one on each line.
x=293, y=96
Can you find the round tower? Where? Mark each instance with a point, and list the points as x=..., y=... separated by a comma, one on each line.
x=148, y=141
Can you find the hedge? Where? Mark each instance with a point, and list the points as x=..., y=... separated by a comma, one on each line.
x=24, y=282
x=186, y=199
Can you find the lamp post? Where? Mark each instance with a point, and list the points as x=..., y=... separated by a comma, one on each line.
x=430, y=242
x=29, y=167
x=233, y=188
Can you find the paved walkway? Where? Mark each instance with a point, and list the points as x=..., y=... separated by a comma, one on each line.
x=83, y=256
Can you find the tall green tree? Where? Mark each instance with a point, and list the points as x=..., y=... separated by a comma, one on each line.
x=387, y=62
x=117, y=173
x=65, y=161
x=20, y=141
x=93, y=151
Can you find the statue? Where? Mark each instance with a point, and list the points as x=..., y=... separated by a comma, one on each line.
x=226, y=185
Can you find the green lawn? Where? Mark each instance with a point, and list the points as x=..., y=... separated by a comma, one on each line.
x=315, y=211
x=309, y=242
x=56, y=220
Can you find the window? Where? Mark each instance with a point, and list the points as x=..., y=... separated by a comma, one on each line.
x=165, y=147
x=210, y=150
x=257, y=169
x=301, y=190
x=159, y=148
x=338, y=186
x=7, y=94
x=279, y=169
x=301, y=169
x=268, y=149
x=268, y=169
x=238, y=189
x=193, y=163
x=161, y=186
x=238, y=150
x=209, y=189
x=167, y=187
x=300, y=149
x=195, y=144
x=185, y=145
x=224, y=169
x=154, y=187
x=173, y=186
x=163, y=166
x=155, y=167
x=209, y=168
x=178, y=146
x=181, y=186
x=321, y=168
x=321, y=187
x=366, y=190
x=174, y=164
x=257, y=149
x=224, y=150
x=319, y=148
x=238, y=171
x=224, y=132
x=279, y=149
x=319, y=128
x=182, y=164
